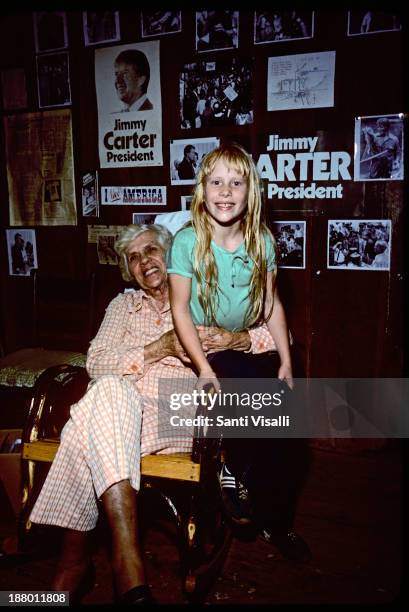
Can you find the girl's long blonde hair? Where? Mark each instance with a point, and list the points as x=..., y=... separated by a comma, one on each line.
x=254, y=230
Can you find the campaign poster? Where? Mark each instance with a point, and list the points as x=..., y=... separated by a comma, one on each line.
x=127, y=81
x=154, y=195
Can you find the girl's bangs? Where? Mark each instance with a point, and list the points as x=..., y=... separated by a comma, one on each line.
x=233, y=161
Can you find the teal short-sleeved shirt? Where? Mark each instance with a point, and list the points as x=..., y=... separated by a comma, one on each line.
x=234, y=274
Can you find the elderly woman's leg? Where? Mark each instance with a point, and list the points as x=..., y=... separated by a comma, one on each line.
x=98, y=458
x=119, y=502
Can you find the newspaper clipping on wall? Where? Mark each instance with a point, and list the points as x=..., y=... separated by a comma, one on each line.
x=40, y=171
x=127, y=80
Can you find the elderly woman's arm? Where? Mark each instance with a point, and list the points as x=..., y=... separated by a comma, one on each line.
x=115, y=350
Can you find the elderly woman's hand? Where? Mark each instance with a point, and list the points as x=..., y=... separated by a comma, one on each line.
x=171, y=347
x=216, y=339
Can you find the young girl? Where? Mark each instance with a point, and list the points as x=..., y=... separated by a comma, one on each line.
x=222, y=272
x=222, y=268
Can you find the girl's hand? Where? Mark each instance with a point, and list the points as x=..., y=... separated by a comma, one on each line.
x=285, y=373
x=207, y=377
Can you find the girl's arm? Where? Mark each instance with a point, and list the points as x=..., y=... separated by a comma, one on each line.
x=180, y=291
x=277, y=326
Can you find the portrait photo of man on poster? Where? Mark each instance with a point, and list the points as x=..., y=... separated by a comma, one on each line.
x=127, y=81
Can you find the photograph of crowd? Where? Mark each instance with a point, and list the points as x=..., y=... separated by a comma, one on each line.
x=216, y=93
x=275, y=26
x=217, y=30
x=158, y=23
x=290, y=239
x=185, y=158
x=378, y=148
x=359, y=244
x=365, y=21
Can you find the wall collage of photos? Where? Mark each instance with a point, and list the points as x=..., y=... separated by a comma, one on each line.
x=302, y=98
x=213, y=93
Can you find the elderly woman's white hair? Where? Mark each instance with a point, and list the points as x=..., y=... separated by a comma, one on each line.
x=129, y=233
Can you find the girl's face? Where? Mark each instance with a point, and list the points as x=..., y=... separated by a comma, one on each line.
x=226, y=194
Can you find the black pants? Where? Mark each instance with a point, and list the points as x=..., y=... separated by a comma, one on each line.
x=272, y=468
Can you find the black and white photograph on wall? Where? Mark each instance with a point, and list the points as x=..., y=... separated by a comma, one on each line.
x=53, y=80
x=216, y=93
x=276, y=26
x=217, y=30
x=158, y=23
x=90, y=194
x=379, y=148
x=185, y=158
x=22, y=251
x=185, y=202
x=50, y=30
x=363, y=21
x=100, y=27
x=290, y=237
x=359, y=244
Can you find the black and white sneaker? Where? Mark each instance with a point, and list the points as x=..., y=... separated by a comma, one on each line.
x=235, y=497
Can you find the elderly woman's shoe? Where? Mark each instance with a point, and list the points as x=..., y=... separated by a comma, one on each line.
x=138, y=595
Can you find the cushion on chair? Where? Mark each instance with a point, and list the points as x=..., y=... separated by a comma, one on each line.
x=23, y=367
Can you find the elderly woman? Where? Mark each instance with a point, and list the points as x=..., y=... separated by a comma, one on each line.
x=110, y=428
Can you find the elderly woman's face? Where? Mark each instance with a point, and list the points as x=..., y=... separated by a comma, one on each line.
x=146, y=261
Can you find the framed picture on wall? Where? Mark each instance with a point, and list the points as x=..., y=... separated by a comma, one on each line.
x=53, y=80
x=22, y=251
x=379, y=148
x=276, y=26
x=290, y=237
x=361, y=22
x=50, y=31
x=359, y=244
x=217, y=30
x=159, y=23
x=100, y=27
x=185, y=158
